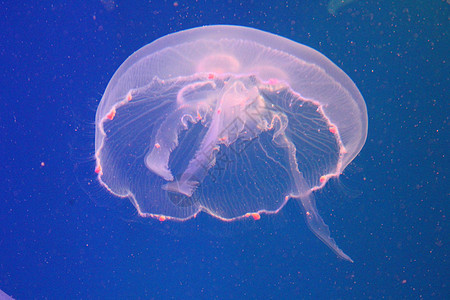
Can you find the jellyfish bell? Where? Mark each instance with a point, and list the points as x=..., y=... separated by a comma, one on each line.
x=285, y=117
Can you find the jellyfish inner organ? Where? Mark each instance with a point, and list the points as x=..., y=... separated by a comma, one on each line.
x=230, y=118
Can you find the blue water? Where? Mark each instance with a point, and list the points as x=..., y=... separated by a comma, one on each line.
x=63, y=236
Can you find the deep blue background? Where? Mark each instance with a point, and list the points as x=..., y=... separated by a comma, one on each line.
x=62, y=236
